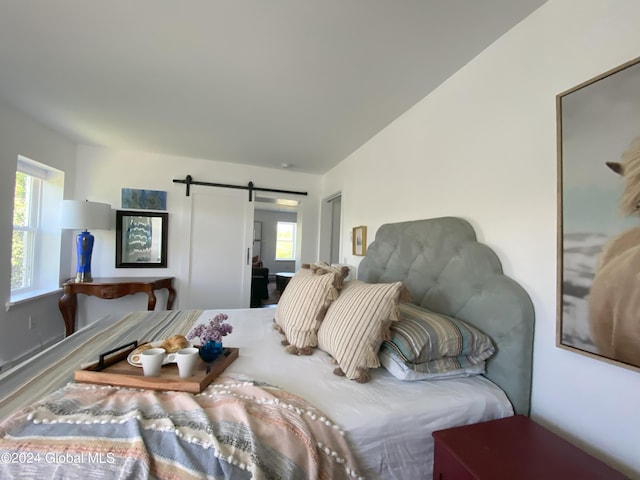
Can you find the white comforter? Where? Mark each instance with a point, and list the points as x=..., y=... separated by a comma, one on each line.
x=388, y=422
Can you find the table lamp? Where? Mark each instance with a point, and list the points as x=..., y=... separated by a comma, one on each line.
x=84, y=215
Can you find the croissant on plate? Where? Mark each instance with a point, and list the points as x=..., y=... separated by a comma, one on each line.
x=174, y=343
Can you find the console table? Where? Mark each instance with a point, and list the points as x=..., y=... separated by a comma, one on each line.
x=512, y=448
x=111, y=288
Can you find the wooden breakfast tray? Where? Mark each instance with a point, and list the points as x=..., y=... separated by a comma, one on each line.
x=121, y=373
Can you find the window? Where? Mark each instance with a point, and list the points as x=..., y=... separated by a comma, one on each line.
x=286, y=241
x=35, y=246
x=26, y=207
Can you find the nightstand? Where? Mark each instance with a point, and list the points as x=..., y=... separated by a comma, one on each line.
x=512, y=448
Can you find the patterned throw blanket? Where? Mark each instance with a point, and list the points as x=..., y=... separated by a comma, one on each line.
x=236, y=428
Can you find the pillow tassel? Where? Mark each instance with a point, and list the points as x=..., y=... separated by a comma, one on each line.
x=385, y=331
x=332, y=295
x=341, y=272
x=405, y=295
x=371, y=360
x=277, y=327
x=293, y=350
x=363, y=375
x=305, y=351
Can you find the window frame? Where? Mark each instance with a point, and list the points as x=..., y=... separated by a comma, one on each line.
x=31, y=228
x=293, y=242
x=44, y=268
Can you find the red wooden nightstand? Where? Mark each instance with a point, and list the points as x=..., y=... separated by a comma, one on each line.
x=513, y=448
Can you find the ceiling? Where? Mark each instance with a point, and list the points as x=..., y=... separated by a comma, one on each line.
x=258, y=82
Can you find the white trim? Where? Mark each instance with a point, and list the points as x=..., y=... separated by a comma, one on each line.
x=33, y=168
x=29, y=296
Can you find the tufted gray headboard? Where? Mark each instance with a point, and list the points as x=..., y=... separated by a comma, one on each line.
x=446, y=270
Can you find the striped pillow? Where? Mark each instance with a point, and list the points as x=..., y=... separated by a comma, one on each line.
x=356, y=324
x=430, y=342
x=303, y=305
x=434, y=370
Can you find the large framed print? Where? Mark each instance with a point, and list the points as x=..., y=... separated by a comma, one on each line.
x=598, y=126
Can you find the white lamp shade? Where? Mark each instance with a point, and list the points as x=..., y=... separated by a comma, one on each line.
x=85, y=215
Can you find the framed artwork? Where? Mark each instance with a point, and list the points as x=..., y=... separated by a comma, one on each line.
x=141, y=239
x=598, y=133
x=144, y=199
x=359, y=240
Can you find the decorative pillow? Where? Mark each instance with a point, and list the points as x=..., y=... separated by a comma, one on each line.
x=430, y=342
x=304, y=304
x=435, y=370
x=356, y=324
x=341, y=272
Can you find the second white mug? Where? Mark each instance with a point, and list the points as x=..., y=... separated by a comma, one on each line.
x=186, y=359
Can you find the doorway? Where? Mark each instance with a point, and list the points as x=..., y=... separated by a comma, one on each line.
x=273, y=216
x=330, y=231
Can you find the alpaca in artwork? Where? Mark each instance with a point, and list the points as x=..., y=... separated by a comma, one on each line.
x=614, y=299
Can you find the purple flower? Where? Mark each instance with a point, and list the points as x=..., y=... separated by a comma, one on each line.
x=214, y=330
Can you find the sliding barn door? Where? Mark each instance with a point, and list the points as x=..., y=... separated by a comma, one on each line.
x=219, y=261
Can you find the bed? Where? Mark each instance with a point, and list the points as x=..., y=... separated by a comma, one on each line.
x=379, y=428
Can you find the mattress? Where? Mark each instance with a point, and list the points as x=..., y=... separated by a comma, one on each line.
x=388, y=422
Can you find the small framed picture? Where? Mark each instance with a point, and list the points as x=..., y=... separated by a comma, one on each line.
x=359, y=240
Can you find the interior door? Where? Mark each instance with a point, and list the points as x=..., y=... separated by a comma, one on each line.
x=330, y=224
x=336, y=211
x=221, y=230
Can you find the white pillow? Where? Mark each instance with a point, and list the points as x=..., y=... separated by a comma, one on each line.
x=395, y=366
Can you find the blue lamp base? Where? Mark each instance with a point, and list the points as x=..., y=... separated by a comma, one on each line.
x=84, y=248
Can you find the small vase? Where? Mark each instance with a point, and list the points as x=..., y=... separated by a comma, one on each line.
x=210, y=351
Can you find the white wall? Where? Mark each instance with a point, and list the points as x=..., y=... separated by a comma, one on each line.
x=21, y=135
x=102, y=173
x=483, y=147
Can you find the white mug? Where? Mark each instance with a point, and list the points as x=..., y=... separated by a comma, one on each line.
x=186, y=359
x=152, y=359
